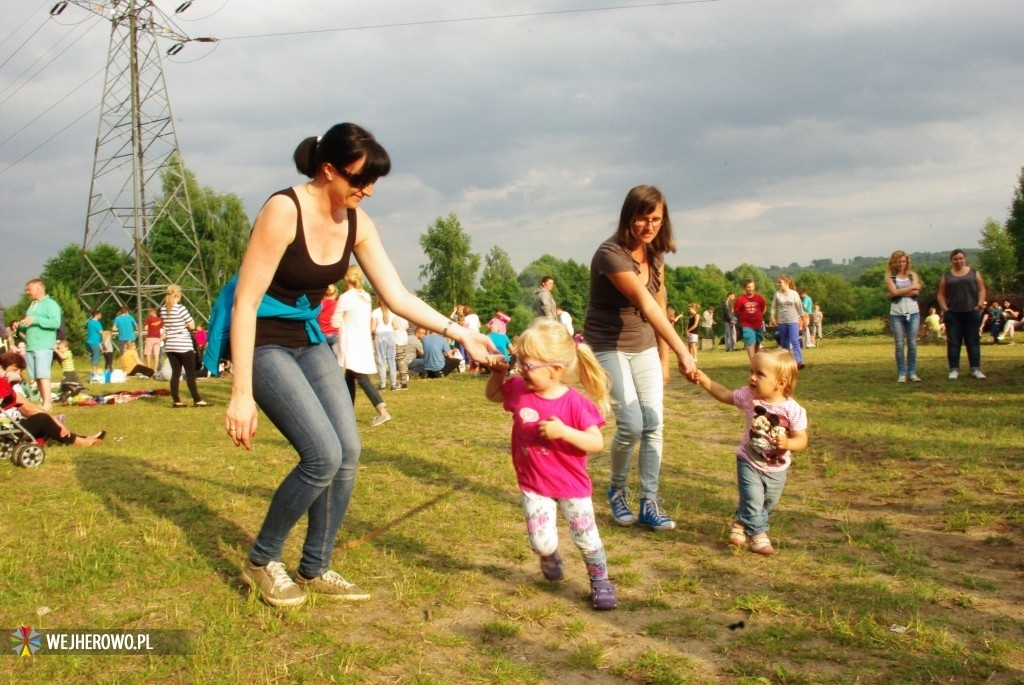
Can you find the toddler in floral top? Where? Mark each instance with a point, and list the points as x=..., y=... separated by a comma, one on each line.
x=776, y=427
x=554, y=427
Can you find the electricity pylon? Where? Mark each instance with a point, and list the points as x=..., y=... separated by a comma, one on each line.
x=138, y=189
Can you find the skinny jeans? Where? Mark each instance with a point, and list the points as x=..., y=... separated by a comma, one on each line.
x=904, y=331
x=760, y=493
x=301, y=391
x=637, y=393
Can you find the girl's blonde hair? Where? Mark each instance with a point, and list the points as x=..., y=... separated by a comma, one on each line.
x=173, y=297
x=549, y=342
x=354, y=277
x=790, y=283
x=783, y=365
x=332, y=291
x=893, y=266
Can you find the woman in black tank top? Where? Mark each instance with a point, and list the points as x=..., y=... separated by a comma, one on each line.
x=301, y=242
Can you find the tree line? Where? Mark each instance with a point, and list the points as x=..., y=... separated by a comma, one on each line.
x=850, y=291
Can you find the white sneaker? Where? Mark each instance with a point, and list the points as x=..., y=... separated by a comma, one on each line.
x=914, y=377
x=953, y=375
x=901, y=379
x=978, y=374
x=379, y=419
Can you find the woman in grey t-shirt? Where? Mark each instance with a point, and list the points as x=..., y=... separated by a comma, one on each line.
x=628, y=328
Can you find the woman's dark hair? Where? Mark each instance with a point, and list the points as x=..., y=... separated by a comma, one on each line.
x=641, y=201
x=339, y=147
x=957, y=251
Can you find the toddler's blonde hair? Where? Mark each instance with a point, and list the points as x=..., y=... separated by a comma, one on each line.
x=783, y=365
x=549, y=342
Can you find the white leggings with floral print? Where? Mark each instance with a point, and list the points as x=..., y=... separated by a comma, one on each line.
x=579, y=513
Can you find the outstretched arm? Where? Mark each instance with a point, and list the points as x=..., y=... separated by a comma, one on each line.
x=716, y=390
x=377, y=266
x=499, y=369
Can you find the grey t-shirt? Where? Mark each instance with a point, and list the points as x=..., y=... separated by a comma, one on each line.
x=613, y=322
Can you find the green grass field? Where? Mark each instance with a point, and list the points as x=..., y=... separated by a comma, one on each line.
x=899, y=544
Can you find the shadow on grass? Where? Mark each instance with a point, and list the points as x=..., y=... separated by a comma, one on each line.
x=124, y=485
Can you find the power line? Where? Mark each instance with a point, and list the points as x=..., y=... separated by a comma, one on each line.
x=493, y=17
x=45, y=111
x=40, y=69
x=24, y=156
x=27, y=39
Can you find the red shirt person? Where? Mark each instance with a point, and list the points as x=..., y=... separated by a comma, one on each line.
x=154, y=326
x=750, y=308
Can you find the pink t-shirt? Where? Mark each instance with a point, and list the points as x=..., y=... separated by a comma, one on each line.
x=762, y=420
x=552, y=468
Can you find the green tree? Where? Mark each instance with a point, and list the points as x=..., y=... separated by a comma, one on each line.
x=705, y=286
x=572, y=285
x=73, y=314
x=834, y=294
x=765, y=284
x=451, y=265
x=998, y=257
x=221, y=225
x=499, y=288
x=1015, y=224
x=68, y=267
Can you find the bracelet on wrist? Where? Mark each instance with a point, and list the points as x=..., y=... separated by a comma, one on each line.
x=444, y=331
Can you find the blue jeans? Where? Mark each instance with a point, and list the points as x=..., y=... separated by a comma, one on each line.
x=760, y=493
x=302, y=392
x=637, y=392
x=789, y=339
x=95, y=353
x=963, y=328
x=904, y=331
x=384, y=344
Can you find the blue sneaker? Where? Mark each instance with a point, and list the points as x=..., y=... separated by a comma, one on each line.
x=652, y=516
x=602, y=595
x=621, y=512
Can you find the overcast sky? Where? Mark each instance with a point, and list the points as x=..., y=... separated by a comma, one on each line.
x=780, y=130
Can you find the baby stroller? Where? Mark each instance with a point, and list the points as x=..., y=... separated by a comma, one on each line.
x=18, y=445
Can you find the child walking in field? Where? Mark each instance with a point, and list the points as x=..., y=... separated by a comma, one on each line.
x=554, y=427
x=776, y=426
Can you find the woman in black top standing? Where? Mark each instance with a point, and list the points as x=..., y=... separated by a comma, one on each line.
x=962, y=299
x=300, y=243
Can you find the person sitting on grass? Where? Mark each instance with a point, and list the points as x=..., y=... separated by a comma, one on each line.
x=776, y=427
x=554, y=427
x=131, y=364
x=31, y=416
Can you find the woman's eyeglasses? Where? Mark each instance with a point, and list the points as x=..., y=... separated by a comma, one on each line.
x=644, y=223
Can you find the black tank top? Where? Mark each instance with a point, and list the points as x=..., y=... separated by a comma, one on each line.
x=297, y=275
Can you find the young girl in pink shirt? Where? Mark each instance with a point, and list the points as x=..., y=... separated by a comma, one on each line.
x=554, y=427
